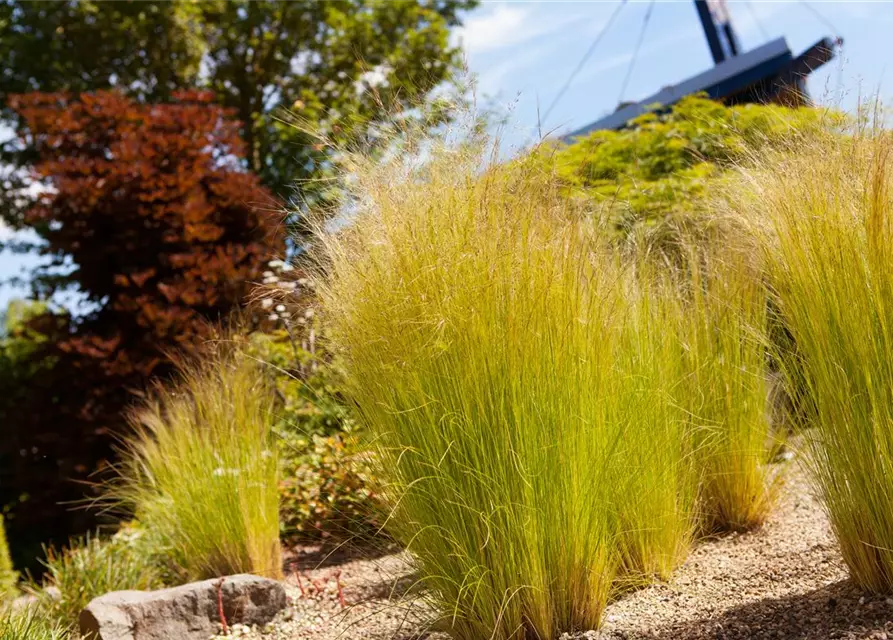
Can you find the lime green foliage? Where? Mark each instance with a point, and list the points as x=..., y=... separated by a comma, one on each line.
x=30, y=623
x=825, y=217
x=520, y=400
x=665, y=163
x=8, y=575
x=201, y=470
x=89, y=568
x=325, y=488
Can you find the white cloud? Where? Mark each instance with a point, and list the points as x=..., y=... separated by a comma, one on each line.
x=504, y=26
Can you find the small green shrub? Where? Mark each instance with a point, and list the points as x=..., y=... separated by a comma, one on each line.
x=824, y=215
x=326, y=489
x=9, y=577
x=201, y=470
x=88, y=568
x=519, y=399
x=30, y=623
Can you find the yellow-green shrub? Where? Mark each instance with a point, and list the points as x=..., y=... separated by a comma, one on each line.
x=664, y=164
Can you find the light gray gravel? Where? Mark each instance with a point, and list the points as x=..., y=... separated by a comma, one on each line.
x=785, y=581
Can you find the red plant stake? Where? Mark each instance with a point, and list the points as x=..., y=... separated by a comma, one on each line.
x=340, y=588
x=223, y=624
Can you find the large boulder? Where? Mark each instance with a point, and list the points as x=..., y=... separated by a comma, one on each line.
x=187, y=612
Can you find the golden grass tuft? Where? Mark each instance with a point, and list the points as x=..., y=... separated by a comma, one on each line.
x=520, y=397
x=201, y=471
x=824, y=216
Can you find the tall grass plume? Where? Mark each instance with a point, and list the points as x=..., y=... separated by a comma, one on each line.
x=824, y=215
x=522, y=404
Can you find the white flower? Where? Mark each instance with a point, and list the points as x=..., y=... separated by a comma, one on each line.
x=273, y=316
x=268, y=274
x=266, y=303
x=309, y=313
x=275, y=263
x=290, y=286
x=280, y=307
x=286, y=267
x=271, y=280
x=285, y=314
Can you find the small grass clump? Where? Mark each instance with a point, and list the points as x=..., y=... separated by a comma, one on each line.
x=30, y=623
x=510, y=374
x=723, y=332
x=201, y=471
x=825, y=218
x=88, y=568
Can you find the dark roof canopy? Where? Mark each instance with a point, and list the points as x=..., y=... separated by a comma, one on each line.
x=769, y=73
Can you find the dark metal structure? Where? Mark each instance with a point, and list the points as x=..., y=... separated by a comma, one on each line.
x=769, y=73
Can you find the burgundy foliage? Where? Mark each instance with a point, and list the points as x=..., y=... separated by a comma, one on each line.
x=165, y=232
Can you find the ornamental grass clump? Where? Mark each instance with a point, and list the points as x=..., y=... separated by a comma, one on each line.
x=723, y=328
x=508, y=370
x=825, y=218
x=201, y=471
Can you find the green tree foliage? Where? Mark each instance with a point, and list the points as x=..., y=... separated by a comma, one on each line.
x=319, y=60
x=342, y=66
x=664, y=163
x=144, y=47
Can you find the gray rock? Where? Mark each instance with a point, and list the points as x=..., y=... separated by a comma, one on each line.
x=188, y=612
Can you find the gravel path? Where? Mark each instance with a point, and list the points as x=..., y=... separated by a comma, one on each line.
x=784, y=581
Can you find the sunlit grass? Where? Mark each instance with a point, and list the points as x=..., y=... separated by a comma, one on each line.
x=521, y=399
x=723, y=328
x=825, y=217
x=201, y=471
x=88, y=568
x=30, y=623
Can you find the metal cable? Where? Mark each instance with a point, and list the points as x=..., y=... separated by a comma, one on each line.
x=821, y=18
x=757, y=20
x=632, y=62
x=584, y=59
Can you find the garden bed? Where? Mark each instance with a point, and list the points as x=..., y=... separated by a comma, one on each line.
x=784, y=581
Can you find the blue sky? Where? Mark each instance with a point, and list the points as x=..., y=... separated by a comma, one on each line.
x=523, y=51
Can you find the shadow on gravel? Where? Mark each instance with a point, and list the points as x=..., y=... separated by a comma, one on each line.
x=319, y=556
x=838, y=610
